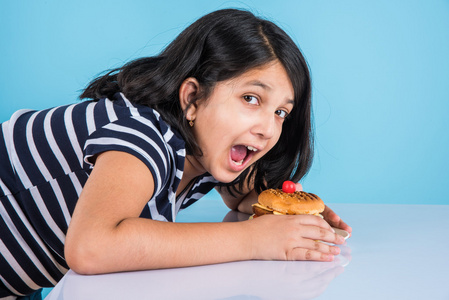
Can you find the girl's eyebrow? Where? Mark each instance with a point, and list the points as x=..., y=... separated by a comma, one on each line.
x=266, y=87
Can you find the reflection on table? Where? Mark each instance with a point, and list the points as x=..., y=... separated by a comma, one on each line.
x=253, y=279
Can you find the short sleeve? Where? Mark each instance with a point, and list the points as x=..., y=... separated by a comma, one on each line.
x=138, y=136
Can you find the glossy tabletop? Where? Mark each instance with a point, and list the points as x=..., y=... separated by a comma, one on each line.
x=395, y=252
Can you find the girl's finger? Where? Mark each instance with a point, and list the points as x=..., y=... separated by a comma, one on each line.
x=334, y=220
x=313, y=220
x=321, y=234
x=308, y=254
x=320, y=247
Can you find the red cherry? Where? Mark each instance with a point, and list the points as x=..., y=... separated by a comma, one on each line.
x=288, y=187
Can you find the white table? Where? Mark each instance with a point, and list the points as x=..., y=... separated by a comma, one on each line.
x=396, y=252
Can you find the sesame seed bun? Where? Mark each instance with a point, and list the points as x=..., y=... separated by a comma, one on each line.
x=275, y=201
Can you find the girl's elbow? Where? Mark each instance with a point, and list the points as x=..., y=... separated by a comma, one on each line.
x=82, y=258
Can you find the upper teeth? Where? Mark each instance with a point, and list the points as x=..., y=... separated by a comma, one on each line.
x=251, y=148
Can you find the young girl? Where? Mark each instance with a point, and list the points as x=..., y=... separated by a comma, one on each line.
x=91, y=186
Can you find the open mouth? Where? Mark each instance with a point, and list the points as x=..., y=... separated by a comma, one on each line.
x=241, y=154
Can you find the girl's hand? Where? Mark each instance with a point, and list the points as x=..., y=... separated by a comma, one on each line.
x=334, y=220
x=293, y=237
x=330, y=216
x=298, y=187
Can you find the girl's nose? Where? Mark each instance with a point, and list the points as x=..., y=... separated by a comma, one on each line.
x=265, y=127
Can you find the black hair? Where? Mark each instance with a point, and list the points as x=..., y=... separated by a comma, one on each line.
x=219, y=46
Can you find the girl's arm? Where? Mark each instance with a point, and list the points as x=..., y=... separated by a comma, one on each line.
x=240, y=202
x=106, y=234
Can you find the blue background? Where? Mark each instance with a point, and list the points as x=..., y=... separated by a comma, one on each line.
x=380, y=73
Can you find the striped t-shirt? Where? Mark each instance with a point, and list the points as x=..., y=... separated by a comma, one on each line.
x=44, y=164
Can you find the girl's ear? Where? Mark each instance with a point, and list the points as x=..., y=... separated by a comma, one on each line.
x=188, y=92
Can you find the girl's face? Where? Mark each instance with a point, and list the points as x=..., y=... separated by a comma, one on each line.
x=241, y=120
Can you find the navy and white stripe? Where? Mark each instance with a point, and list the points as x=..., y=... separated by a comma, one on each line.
x=45, y=160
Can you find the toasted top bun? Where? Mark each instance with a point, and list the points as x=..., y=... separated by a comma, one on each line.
x=297, y=203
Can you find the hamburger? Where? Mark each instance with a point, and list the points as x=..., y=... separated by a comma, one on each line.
x=278, y=202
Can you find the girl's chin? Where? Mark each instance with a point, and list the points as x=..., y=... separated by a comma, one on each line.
x=225, y=179
x=225, y=176
x=228, y=172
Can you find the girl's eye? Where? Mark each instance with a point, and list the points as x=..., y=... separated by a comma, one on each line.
x=251, y=99
x=282, y=113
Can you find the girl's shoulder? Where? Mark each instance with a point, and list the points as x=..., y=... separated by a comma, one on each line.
x=120, y=107
x=124, y=108
x=121, y=115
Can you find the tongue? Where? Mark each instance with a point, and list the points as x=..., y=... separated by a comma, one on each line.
x=238, y=152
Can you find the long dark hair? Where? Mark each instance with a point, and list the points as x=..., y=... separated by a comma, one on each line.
x=217, y=47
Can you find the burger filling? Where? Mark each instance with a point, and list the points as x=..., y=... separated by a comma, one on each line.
x=267, y=210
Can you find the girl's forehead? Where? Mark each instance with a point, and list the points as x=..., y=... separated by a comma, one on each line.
x=262, y=70
x=271, y=77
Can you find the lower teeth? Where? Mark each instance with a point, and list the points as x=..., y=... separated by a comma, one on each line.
x=239, y=163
